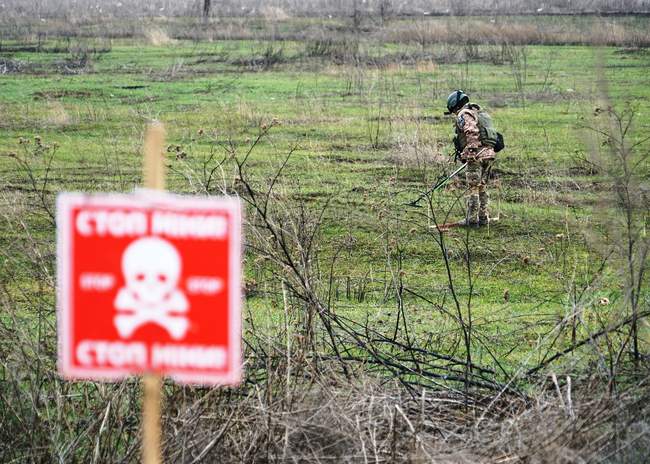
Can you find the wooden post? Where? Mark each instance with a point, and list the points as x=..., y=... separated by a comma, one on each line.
x=151, y=432
x=154, y=178
x=154, y=158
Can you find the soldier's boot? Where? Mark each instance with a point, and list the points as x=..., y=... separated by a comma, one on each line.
x=483, y=210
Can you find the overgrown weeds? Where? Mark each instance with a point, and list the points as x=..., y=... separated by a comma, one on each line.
x=334, y=32
x=319, y=385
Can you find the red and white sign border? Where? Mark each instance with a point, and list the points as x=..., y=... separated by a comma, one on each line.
x=145, y=198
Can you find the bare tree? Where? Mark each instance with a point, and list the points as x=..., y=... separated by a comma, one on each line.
x=385, y=10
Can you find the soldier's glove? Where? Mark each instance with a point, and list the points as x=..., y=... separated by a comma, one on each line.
x=469, y=154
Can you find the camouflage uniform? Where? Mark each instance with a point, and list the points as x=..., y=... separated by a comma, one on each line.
x=479, y=160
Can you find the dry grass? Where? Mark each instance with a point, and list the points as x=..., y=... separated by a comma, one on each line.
x=297, y=409
x=425, y=66
x=157, y=37
x=327, y=419
x=57, y=115
x=459, y=31
x=414, y=150
x=274, y=13
x=336, y=37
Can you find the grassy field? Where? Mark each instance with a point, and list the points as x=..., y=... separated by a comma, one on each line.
x=365, y=127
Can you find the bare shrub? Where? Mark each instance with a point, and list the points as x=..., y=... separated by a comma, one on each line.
x=10, y=66
x=77, y=63
x=411, y=152
x=339, y=50
x=355, y=78
x=157, y=36
x=263, y=57
x=274, y=13
x=517, y=56
x=326, y=420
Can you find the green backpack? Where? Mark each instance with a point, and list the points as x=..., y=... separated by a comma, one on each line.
x=488, y=135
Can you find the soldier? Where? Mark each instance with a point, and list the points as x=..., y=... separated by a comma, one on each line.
x=475, y=141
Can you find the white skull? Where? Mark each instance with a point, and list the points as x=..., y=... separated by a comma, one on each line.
x=151, y=267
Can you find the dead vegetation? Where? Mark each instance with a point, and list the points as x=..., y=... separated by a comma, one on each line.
x=526, y=32
x=9, y=66
x=331, y=37
x=321, y=386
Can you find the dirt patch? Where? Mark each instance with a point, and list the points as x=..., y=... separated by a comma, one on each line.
x=625, y=65
x=349, y=160
x=137, y=100
x=63, y=93
x=632, y=51
x=398, y=118
x=209, y=58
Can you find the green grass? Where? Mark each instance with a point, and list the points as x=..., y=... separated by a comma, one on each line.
x=327, y=110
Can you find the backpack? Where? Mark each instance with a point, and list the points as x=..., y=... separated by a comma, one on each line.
x=488, y=135
x=500, y=145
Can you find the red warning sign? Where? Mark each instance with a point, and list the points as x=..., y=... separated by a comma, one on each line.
x=149, y=282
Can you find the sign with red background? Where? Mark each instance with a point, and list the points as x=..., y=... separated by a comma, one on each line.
x=149, y=282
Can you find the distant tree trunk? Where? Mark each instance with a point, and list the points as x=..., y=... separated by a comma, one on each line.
x=206, y=8
x=356, y=16
x=385, y=10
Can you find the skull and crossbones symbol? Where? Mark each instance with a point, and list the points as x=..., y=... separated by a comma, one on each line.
x=151, y=268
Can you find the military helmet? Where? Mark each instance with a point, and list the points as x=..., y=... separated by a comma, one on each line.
x=457, y=99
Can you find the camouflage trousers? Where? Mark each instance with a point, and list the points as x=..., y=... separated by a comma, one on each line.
x=477, y=175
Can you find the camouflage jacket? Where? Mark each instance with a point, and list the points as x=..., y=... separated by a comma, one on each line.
x=467, y=133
